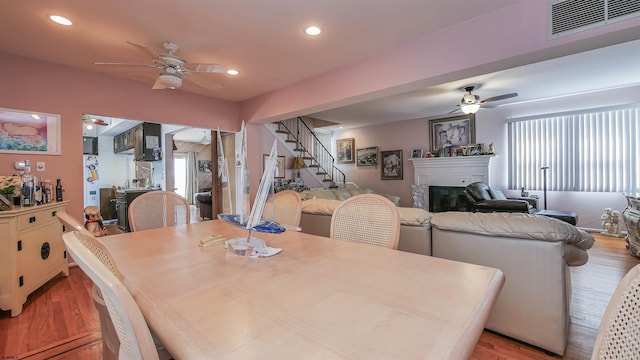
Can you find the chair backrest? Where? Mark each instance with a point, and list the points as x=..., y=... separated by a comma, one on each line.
x=71, y=223
x=477, y=191
x=367, y=218
x=134, y=335
x=286, y=208
x=156, y=209
x=620, y=327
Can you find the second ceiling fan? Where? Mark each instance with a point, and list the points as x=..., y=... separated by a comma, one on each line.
x=470, y=103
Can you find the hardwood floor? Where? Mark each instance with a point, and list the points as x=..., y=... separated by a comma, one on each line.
x=59, y=320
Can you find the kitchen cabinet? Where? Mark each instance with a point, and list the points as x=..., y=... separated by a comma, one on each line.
x=31, y=252
x=143, y=141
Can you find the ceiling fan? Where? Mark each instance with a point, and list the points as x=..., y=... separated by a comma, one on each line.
x=470, y=103
x=174, y=68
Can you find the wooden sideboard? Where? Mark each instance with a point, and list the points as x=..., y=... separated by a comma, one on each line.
x=31, y=252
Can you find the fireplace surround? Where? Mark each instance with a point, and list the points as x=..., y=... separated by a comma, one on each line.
x=450, y=174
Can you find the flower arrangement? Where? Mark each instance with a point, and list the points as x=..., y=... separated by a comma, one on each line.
x=10, y=185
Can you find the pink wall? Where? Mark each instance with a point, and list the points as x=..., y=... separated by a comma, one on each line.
x=33, y=85
x=510, y=37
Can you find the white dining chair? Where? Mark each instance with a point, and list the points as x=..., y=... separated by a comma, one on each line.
x=156, y=209
x=368, y=219
x=619, y=330
x=286, y=208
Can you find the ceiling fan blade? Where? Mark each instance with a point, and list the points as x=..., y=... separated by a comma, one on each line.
x=148, y=52
x=157, y=66
x=454, y=110
x=158, y=85
x=206, y=68
x=499, y=97
x=198, y=80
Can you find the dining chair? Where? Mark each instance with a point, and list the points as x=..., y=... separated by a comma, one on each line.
x=620, y=327
x=71, y=223
x=368, y=219
x=286, y=208
x=156, y=209
x=134, y=335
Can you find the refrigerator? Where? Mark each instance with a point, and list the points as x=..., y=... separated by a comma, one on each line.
x=91, y=181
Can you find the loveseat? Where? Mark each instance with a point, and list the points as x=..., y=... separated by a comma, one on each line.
x=318, y=206
x=534, y=252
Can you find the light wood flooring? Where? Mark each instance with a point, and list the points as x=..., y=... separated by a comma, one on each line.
x=59, y=320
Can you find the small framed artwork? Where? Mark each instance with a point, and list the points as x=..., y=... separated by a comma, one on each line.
x=416, y=153
x=204, y=166
x=391, y=165
x=345, y=149
x=279, y=174
x=29, y=132
x=452, y=132
x=367, y=156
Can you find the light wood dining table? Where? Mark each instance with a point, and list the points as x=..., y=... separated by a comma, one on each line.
x=317, y=299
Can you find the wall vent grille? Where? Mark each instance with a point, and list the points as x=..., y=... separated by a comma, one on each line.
x=571, y=16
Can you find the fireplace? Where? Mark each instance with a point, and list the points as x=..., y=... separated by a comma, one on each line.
x=448, y=198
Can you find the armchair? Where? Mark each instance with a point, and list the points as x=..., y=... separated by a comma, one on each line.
x=486, y=200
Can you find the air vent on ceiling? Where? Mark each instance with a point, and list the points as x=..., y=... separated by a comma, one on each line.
x=570, y=16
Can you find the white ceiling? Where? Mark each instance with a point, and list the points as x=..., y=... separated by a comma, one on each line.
x=264, y=40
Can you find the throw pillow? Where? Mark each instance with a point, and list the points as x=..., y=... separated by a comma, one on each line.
x=496, y=194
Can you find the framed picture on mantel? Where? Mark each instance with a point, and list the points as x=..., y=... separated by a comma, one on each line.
x=452, y=132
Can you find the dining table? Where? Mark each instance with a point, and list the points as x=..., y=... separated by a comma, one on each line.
x=318, y=298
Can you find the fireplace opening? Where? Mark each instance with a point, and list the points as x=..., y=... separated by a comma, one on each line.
x=448, y=198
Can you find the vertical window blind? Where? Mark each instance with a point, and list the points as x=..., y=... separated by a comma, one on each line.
x=594, y=151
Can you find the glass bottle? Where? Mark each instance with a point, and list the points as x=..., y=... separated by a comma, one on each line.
x=28, y=185
x=59, y=190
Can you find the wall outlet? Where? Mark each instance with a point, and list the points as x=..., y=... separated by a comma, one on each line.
x=40, y=166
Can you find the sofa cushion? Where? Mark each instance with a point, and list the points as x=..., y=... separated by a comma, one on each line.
x=342, y=194
x=520, y=226
x=318, y=194
x=408, y=216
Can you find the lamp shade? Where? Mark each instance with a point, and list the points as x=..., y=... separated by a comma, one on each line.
x=469, y=108
x=298, y=163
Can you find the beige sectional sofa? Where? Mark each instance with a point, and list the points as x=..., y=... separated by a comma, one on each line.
x=318, y=206
x=534, y=252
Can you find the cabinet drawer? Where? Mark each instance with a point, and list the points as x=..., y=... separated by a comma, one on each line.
x=36, y=218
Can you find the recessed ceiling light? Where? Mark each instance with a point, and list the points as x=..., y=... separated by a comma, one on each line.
x=313, y=30
x=232, y=72
x=35, y=116
x=60, y=20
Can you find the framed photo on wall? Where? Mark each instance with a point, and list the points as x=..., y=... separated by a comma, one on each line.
x=345, y=149
x=279, y=174
x=367, y=156
x=29, y=132
x=452, y=132
x=391, y=165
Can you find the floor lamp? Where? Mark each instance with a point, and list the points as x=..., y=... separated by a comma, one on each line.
x=544, y=184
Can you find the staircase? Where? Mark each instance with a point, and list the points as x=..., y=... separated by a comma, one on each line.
x=312, y=151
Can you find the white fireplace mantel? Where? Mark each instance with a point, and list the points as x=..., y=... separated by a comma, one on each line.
x=451, y=171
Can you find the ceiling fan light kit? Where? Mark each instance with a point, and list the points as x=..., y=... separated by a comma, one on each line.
x=470, y=108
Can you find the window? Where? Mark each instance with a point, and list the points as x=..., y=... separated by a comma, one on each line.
x=593, y=150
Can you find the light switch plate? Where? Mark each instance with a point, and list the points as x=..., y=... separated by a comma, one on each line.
x=40, y=166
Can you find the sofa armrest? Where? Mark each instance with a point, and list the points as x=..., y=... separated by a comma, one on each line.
x=502, y=206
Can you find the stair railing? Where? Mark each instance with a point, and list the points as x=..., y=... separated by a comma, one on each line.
x=311, y=148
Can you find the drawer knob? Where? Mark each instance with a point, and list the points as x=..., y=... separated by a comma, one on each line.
x=32, y=220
